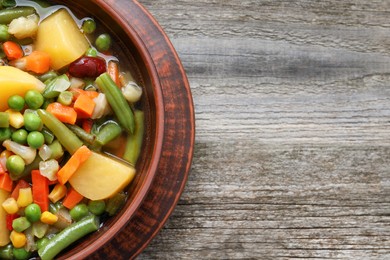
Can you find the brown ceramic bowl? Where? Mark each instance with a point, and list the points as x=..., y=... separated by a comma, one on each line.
x=138, y=57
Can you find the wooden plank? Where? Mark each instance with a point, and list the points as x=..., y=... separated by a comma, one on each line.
x=292, y=116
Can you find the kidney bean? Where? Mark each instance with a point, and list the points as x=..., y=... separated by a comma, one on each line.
x=87, y=67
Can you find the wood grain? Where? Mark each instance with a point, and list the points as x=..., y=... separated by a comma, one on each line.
x=292, y=151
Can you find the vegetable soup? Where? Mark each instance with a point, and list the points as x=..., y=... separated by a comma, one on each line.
x=71, y=128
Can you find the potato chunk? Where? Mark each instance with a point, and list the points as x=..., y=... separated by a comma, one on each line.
x=59, y=36
x=100, y=177
x=14, y=81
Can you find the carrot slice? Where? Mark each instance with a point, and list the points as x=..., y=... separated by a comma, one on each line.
x=72, y=198
x=6, y=182
x=71, y=166
x=63, y=113
x=87, y=125
x=12, y=50
x=21, y=184
x=84, y=106
x=77, y=92
x=40, y=190
x=38, y=62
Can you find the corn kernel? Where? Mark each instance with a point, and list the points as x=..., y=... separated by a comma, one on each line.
x=18, y=239
x=25, y=197
x=16, y=118
x=10, y=206
x=58, y=192
x=48, y=218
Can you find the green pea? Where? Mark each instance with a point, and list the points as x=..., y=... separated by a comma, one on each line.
x=103, y=42
x=91, y=52
x=89, y=25
x=34, y=99
x=16, y=102
x=5, y=133
x=15, y=164
x=4, y=35
x=20, y=136
x=97, y=207
x=33, y=212
x=32, y=121
x=21, y=253
x=35, y=139
x=79, y=211
x=20, y=224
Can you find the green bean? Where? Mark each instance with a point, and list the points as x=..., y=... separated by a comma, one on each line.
x=97, y=207
x=4, y=119
x=4, y=35
x=115, y=203
x=48, y=76
x=64, y=135
x=134, y=142
x=20, y=253
x=86, y=137
x=20, y=224
x=117, y=102
x=6, y=252
x=68, y=236
x=65, y=98
x=5, y=133
x=7, y=15
x=49, y=137
x=108, y=132
x=55, y=86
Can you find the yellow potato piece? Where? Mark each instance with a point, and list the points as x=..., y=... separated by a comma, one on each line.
x=60, y=37
x=100, y=177
x=4, y=232
x=14, y=81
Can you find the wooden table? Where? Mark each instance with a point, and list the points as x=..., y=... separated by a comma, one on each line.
x=292, y=152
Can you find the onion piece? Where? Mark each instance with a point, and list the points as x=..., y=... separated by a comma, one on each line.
x=27, y=153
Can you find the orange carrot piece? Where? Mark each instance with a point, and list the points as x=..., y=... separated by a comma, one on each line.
x=72, y=198
x=21, y=184
x=6, y=182
x=77, y=92
x=63, y=113
x=40, y=190
x=71, y=166
x=84, y=106
x=12, y=50
x=87, y=125
x=113, y=71
x=38, y=62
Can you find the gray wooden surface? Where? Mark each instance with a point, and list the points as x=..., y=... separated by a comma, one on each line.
x=292, y=151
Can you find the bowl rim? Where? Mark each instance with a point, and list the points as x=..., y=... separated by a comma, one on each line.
x=129, y=212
